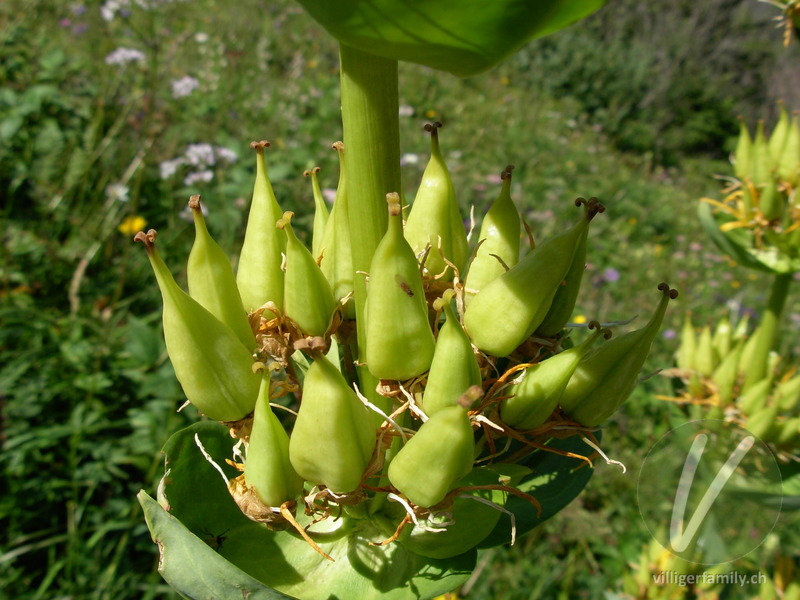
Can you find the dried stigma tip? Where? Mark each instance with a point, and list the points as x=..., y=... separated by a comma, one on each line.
x=194, y=202
x=393, y=200
x=432, y=128
x=259, y=146
x=594, y=325
x=310, y=172
x=148, y=239
x=338, y=146
x=506, y=174
x=311, y=344
x=286, y=220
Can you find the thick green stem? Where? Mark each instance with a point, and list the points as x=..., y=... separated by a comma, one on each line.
x=768, y=330
x=372, y=146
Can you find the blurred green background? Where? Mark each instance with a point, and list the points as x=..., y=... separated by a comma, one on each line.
x=112, y=114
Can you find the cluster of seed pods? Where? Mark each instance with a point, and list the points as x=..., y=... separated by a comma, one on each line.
x=713, y=363
x=475, y=362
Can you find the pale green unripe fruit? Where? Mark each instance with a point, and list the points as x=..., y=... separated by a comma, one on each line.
x=212, y=365
x=321, y=213
x=704, y=353
x=499, y=237
x=434, y=215
x=454, y=367
x=508, y=310
x=535, y=398
x=333, y=438
x=399, y=338
x=259, y=275
x=608, y=375
x=212, y=282
x=687, y=349
x=335, y=247
x=267, y=468
x=743, y=155
x=789, y=161
x=307, y=296
x=566, y=295
x=432, y=462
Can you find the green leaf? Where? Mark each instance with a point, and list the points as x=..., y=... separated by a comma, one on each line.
x=555, y=482
x=192, y=567
x=464, y=38
x=239, y=552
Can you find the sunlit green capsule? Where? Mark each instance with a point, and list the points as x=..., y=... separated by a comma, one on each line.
x=259, y=275
x=761, y=423
x=787, y=394
x=609, y=374
x=337, y=258
x=704, y=359
x=755, y=398
x=789, y=162
x=321, y=212
x=508, y=310
x=743, y=155
x=777, y=140
x=687, y=348
x=535, y=398
x=454, y=367
x=499, y=240
x=434, y=219
x=722, y=339
x=333, y=438
x=212, y=282
x=399, y=338
x=567, y=294
x=307, y=296
x=726, y=374
x=212, y=365
x=439, y=454
x=267, y=468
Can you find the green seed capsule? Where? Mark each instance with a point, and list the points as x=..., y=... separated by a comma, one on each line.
x=727, y=373
x=789, y=162
x=722, y=339
x=399, y=338
x=743, y=155
x=499, y=239
x=770, y=201
x=508, y=310
x=454, y=367
x=268, y=469
x=213, y=367
x=432, y=462
x=212, y=282
x=609, y=374
x=535, y=398
x=337, y=257
x=567, y=294
x=777, y=140
x=333, y=437
x=762, y=423
x=307, y=296
x=259, y=277
x=787, y=394
x=321, y=212
x=787, y=431
x=686, y=350
x=755, y=398
x=434, y=218
x=704, y=359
